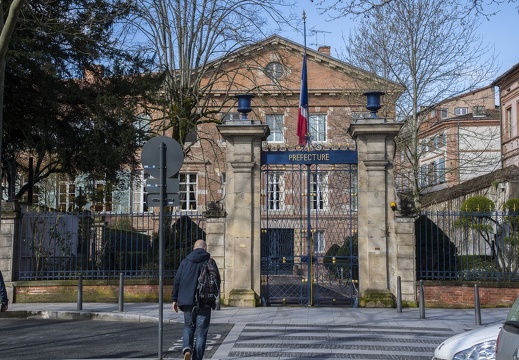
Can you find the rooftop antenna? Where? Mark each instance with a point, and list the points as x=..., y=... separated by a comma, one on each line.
x=317, y=32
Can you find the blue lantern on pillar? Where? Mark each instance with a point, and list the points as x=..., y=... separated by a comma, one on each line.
x=244, y=105
x=373, y=98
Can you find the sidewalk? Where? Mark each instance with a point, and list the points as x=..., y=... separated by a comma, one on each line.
x=458, y=320
x=149, y=312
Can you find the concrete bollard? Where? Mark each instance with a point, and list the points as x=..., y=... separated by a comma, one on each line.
x=399, y=294
x=422, y=301
x=121, y=292
x=477, y=307
x=80, y=292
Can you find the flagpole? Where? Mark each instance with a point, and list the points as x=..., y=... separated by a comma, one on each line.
x=307, y=136
x=304, y=30
x=303, y=116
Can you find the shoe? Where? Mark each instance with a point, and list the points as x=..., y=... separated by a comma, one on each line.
x=187, y=355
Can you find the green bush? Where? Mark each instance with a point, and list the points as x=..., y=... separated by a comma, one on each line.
x=512, y=207
x=478, y=204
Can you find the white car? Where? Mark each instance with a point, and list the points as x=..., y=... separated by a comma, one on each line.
x=478, y=344
x=507, y=347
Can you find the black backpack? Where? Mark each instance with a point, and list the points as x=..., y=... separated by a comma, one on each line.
x=207, y=290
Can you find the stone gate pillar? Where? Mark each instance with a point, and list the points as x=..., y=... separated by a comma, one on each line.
x=242, y=205
x=9, y=247
x=375, y=146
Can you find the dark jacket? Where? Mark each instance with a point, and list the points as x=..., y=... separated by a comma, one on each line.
x=3, y=291
x=186, y=279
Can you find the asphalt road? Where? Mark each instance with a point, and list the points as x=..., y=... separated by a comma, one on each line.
x=30, y=339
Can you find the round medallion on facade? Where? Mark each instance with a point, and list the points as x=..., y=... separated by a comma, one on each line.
x=274, y=70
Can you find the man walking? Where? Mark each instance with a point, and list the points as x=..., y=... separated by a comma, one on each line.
x=197, y=317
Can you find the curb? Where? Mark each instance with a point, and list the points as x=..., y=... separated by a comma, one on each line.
x=80, y=315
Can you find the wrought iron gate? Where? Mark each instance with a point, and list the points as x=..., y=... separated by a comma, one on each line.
x=309, y=252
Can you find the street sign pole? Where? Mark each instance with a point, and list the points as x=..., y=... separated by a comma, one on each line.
x=162, y=185
x=162, y=190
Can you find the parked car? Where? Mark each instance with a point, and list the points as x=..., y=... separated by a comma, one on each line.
x=478, y=344
x=507, y=347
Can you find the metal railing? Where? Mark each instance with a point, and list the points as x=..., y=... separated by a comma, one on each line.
x=473, y=246
x=60, y=246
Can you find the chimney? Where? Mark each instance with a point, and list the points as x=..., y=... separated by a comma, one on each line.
x=324, y=49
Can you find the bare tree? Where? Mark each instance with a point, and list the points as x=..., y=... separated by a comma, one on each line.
x=187, y=36
x=340, y=8
x=192, y=41
x=426, y=47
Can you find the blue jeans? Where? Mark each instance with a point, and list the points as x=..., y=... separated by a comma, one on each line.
x=195, y=323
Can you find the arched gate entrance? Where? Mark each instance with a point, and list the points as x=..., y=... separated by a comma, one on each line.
x=309, y=251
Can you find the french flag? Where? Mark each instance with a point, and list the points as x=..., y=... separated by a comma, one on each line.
x=302, y=116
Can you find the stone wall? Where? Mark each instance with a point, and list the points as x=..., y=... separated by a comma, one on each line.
x=461, y=294
x=66, y=291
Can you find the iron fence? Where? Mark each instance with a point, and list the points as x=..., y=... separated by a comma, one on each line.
x=474, y=246
x=60, y=246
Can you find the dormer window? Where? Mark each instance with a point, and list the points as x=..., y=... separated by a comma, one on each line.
x=478, y=111
x=461, y=111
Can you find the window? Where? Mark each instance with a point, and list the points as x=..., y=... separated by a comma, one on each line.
x=509, y=123
x=317, y=124
x=102, y=197
x=440, y=171
x=423, y=145
x=444, y=113
x=275, y=198
x=423, y=175
x=319, y=242
x=274, y=70
x=478, y=111
x=121, y=195
x=188, y=191
x=139, y=197
x=275, y=123
x=432, y=173
x=461, y=111
x=436, y=141
x=319, y=186
x=67, y=196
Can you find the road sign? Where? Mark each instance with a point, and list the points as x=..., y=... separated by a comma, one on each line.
x=153, y=186
x=150, y=158
x=153, y=200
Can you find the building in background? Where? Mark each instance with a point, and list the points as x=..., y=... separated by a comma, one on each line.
x=271, y=71
x=508, y=84
x=459, y=139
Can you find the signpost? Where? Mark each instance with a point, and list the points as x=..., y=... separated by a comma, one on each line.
x=162, y=191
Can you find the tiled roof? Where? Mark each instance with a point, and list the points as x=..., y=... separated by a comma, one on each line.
x=481, y=182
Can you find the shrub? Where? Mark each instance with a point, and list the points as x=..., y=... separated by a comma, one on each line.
x=478, y=204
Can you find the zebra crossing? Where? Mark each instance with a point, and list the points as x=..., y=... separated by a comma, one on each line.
x=270, y=341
